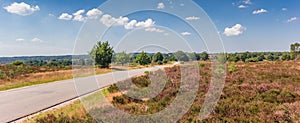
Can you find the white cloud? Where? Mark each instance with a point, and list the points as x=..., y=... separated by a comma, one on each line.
x=131, y=24
x=22, y=9
x=78, y=15
x=20, y=39
x=145, y=24
x=192, y=18
x=37, y=40
x=247, y=2
x=153, y=30
x=259, y=11
x=108, y=20
x=94, y=13
x=65, y=16
x=236, y=30
x=242, y=6
x=284, y=9
x=160, y=5
x=181, y=4
x=292, y=19
x=185, y=33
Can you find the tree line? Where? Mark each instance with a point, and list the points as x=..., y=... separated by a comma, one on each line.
x=102, y=55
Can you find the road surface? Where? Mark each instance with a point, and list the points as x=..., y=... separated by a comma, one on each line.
x=19, y=103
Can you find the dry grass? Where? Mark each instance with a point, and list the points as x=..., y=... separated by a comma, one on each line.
x=45, y=77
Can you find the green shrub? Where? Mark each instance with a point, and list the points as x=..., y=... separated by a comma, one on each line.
x=119, y=100
x=2, y=75
x=201, y=64
x=232, y=68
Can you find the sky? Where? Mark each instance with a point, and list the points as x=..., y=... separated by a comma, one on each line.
x=64, y=27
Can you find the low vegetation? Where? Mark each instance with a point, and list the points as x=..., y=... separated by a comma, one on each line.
x=253, y=92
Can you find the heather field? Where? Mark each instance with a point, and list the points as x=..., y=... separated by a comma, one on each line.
x=253, y=92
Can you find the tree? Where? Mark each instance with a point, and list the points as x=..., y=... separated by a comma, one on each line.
x=181, y=56
x=143, y=59
x=18, y=63
x=286, y=57
x=194, y=56
x=102, y=54
x=157, y=57
x=270, y=57
x=204, y=56
x=122, y=58
x=295, y=50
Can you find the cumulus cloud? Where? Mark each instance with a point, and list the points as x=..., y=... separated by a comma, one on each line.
x=242, y=6
x=20, y=39
x=131, y=24
x=292, y=19
x=153, y=30
x=78, y=15
x=160, y=5
x=192, y=18
x=65, y=16
x=148, y=23
x=22, y=9
x=247, y=2
x=37, y=40
x=94, y=13
x=259, y=11
x=108, y=20
x=236, y=30
x=185, y=33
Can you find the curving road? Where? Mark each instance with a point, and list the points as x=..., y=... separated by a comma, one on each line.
x=19, y=103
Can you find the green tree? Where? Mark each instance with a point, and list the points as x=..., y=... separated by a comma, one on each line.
x=18, y=63
x=102, y=54
x=143, y=59
x=286, y=57
x=181, y=56
x=204, y=56
x=270, y=57
x=157, y=57
x=295, y=50
x=123, y=58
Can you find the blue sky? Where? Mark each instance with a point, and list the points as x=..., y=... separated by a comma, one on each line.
x=52, y=27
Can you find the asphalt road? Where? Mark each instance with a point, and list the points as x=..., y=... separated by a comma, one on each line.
x=21, y=102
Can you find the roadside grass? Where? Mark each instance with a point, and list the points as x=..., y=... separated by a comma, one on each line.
x=253, y=92
x=45, y=77
x=34, y=75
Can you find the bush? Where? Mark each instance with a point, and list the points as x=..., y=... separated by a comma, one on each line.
x=159, y=62
x=2, y=75
x=232, y=68
x=143, y=59
x=119, y=100
x=201, y=64
x=18, y=63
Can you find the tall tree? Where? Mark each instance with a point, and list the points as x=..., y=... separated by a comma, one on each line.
x=157, y=57
x=102, y=54
x=295, y=50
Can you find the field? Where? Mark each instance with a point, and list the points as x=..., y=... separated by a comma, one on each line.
x=253, y=92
